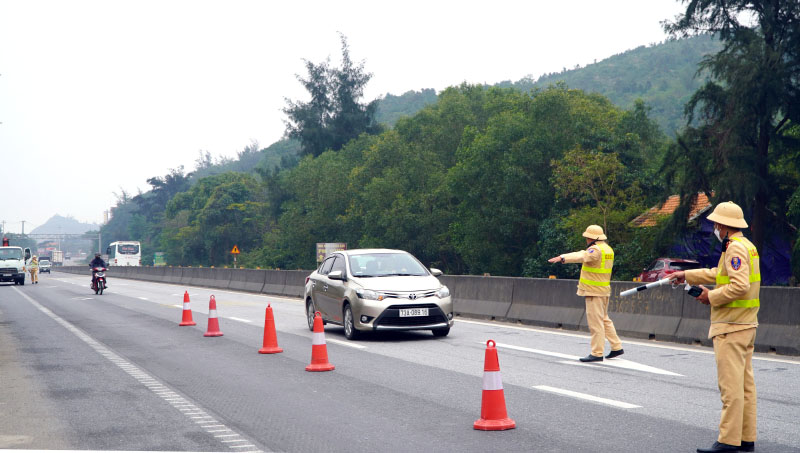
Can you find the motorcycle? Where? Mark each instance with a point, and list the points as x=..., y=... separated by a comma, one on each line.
x=98, y=279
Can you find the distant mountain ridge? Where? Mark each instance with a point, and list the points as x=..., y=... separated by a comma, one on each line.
x=663, y=75
x=64, y=225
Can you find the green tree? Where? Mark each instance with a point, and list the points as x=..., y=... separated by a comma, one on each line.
x=220, y=211
x=334, y=115
x=750, y=102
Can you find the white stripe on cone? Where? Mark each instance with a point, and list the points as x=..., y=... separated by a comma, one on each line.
x=212, y=313
x=318, y=338
x=492, y=380
x=186, y=306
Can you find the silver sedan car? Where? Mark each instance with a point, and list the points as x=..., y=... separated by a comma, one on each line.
x=378, y=289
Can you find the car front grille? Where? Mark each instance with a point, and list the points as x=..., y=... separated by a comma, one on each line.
x=8, y=270
x=411, y=295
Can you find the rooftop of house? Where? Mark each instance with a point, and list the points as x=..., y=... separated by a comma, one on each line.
x=650, y=218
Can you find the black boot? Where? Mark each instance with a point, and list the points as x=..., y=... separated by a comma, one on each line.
x=591, y=358
x=613, y=354
x=718, y=446
x=747, y=446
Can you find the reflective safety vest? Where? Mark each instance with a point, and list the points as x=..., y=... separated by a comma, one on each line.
x=751, y=298
x=597, y=280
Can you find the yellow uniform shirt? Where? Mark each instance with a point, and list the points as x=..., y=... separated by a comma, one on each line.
x=598, y=260
x=734, y=301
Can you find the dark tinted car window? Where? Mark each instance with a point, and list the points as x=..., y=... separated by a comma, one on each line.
x=684, y=266
x=326, y=266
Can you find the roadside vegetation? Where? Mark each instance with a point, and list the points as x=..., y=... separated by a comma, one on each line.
x=479, y=179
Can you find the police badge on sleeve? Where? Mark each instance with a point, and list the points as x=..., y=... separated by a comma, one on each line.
x=736, y=263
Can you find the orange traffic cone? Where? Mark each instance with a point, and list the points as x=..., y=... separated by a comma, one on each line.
x=213, y=321
x=270, y=338
x=187, y=312
x=319, y=350
x=493, y=404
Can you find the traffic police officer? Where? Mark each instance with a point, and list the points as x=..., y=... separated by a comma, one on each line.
x=595, y=285
x=734, y=318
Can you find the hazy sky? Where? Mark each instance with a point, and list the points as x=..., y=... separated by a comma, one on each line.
x=98, y=96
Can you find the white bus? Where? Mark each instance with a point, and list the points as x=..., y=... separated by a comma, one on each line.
x=124, y=253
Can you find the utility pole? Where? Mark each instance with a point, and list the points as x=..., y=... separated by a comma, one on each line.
x=23, y=228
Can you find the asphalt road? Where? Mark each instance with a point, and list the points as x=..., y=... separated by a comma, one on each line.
x=116, y=372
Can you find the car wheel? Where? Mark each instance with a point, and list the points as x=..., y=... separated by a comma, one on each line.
x=350, y=331
x=22, y=282
x=441, y=332
x=310, y=314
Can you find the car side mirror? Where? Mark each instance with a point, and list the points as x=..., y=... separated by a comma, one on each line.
x=337, y=275
x=435, y=272
x=27, y=254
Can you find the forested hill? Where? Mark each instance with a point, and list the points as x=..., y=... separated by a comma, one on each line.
x=663, y=75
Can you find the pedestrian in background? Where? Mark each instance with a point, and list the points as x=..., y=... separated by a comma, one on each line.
x=33, y=267
x=734, y=319
x=595, y=286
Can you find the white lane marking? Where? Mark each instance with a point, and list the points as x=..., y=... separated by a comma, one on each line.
x=346, y=343
x=227, y=435
x=239, y=319
x=118, y=360
x=617, y=363
x=82, y=298
x=177, y=306
x=639, y=343
x=584, y=396
x=143, y=298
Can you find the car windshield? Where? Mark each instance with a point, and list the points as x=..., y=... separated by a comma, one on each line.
x=10, y=254
x=43, y=262
x=684, y=266
x=385, y=265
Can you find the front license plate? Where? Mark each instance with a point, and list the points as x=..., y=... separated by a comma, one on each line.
x=405, y=312
x=6, y=275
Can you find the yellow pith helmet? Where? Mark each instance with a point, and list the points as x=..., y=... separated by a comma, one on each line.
x=594, y=232
x=728, y=213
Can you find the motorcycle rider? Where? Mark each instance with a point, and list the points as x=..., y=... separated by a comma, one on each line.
x=97, y=262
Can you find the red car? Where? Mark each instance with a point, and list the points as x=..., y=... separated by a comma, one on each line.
x=662, y=267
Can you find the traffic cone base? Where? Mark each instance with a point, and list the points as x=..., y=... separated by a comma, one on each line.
x=213, y=321
x=187, y=312
x=494, y=425
x=319, y=350
x=270, y=338
x=493, y=404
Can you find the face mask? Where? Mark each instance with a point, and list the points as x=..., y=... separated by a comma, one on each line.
x=716, y=233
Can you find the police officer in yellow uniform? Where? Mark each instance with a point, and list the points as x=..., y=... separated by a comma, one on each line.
x=595, y=285
x=734, y=318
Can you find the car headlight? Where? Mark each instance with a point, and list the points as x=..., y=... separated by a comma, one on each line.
x=369, y=294
x=443, y=292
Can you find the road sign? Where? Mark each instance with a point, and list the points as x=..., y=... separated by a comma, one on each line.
x=235, y=250
x=326, y=248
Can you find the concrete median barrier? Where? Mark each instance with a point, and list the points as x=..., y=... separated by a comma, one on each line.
x=695, y=322
x=200, y=276
x=274, y=282
x=218, y=278
x=480, y=297
x=544, y=302
x=652, y=314
x=779, y=321
x=251, y=280
x=295, y=283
